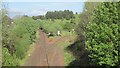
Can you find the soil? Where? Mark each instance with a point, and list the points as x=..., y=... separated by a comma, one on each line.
x=46, y=52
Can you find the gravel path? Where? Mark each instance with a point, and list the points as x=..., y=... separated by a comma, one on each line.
x=46, y=53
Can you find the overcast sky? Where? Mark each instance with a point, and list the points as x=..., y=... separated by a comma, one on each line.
x=40, y=8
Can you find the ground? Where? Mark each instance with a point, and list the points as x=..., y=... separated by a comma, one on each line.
x=46, y=52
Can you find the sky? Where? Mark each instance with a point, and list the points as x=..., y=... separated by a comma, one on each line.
x=45, y=0
x=60, y=0
x=40, y=8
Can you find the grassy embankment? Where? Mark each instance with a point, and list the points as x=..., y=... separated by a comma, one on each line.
x=31, y=49
x=68, y=57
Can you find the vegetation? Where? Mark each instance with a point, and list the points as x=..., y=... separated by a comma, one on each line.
x=102, y=35
x=50, y=26
x=17, y=39
x=24, y=31
x=68, y=56
x=8, y=58
x=86, y=16
x=20, y=33
x=97, y=29
x=98, y=35
x=59, y=14
x=38, y=17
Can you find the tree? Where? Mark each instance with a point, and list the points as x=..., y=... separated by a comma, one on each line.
x=86, y=16
x=8, y=57
x=38, y=17
x=24, y=31
x=59, y=14
x=76, y=13
x=69, y=26
x=102, y=35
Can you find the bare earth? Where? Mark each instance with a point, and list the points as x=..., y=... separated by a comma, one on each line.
x=46, y=52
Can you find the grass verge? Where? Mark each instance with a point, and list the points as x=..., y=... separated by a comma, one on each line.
x=68, y=57
x=31, y=49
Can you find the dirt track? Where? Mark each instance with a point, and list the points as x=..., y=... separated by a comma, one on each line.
x=46, y=53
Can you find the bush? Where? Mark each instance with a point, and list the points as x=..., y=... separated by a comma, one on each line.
x=24, y=32
x=8, y=59
x=102, y=35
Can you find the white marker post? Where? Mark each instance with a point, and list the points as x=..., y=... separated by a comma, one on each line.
x=58, y=32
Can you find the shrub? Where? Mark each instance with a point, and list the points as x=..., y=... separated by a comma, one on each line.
x=102, y=35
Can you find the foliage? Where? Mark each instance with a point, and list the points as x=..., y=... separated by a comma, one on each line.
x=19, y=35
x=85, y=16
x=69, y=26
x=68, y=56
x=59, y=14
x=38, y=17
x=24, y=31
x=102, y=35
x=6, y=23
x=16, y=38
x=51, y=26
x=8, y=59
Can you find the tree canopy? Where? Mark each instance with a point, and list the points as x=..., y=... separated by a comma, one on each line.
x=103, y=36
x=59, y=14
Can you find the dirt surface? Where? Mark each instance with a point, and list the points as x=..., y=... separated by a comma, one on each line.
x=46, y=52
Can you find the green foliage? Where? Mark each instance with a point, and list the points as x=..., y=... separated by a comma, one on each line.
x=38, y=17
x=5, y=28
x=68, y=26
x=16, y=38
x=59, y=14
x=57, y=24
x=24, y=34
x=8, y=59
x=86, y=16
x=102, y=35
x=51, y=26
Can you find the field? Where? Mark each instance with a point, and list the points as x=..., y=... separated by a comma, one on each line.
x=62, y=37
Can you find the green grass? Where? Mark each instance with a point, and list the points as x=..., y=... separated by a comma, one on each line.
x=66, y=33
x=68, y=57
x=31, y=48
